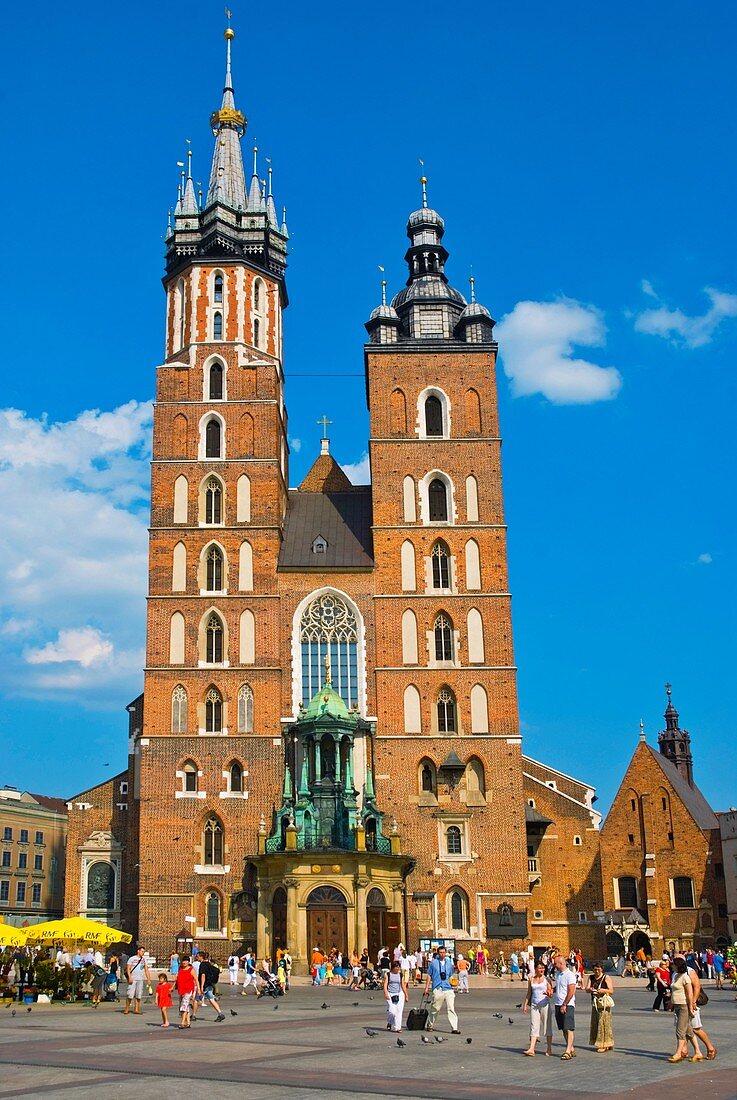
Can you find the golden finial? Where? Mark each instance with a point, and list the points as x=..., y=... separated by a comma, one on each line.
x=229, y=32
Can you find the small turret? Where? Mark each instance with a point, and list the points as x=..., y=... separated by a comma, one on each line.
x=675, y=743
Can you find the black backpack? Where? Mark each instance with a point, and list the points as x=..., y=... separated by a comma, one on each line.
x=214, y=973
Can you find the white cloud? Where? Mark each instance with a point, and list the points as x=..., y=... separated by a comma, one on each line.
x=86, y=646
x=536, y=342
x=73, y=549
x=704, y=559
x=358, y=473
x=679, y=327
x=296, y=445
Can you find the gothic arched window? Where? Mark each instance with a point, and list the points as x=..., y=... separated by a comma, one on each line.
x=236, y=777
x=257, y=333
x=216, y=382
x=213, y=711
x=458, y=911
x=214, y=641
x=217, y=326
x=213, y=439
x=212, y=912
x=213, y=843
x=440, y=565
x=179, y=710
x=433, y=415
x=213, y=501
x=257, y=295
x=217, y=288
x=329, y=626
x=214, y=577
x=437, y=498
x=190, y=777
x=428, y=778
x=446, y=711
x=443, y=631
x=245, y=709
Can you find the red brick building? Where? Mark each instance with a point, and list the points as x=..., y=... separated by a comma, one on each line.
x=327, y=746
x=661, y=853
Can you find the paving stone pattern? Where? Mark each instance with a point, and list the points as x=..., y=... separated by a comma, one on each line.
x=79, y=1051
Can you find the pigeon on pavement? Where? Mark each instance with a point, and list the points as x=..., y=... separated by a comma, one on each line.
x=439, y=1039
x=498, y=1015
x=370, y=1032
x=233, y=1013
x=469, y=1040
x=511, y=1020
x=424, y=1038
x=323, y=1005
x=400, y=1043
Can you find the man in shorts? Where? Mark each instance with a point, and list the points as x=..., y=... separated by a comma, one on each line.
x=208, y=977
x=249, y=976
x=137, y=975
x=565, y=1005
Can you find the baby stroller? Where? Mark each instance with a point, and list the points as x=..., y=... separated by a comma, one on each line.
x=371, y=979
x=270, y=986
x=110, y=988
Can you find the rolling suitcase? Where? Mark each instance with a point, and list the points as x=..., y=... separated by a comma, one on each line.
x=417, y=1018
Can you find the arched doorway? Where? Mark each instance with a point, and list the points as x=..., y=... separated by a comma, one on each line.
x=614, y=944
x=326, y=920
x=383, y=926
x=279, y=920
x=640, y=940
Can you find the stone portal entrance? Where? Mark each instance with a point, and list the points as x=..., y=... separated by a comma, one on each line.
x=383, y=927
x=326, y=920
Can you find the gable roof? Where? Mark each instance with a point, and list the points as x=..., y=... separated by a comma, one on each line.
x=343, y=520
x=58, y=805
x=691, y=797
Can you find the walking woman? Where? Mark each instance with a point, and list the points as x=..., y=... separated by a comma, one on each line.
x=682, y=1002
x=395, y=991
x=601, y=989
x=538, y=1003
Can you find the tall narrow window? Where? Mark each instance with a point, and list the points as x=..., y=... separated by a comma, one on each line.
x=218, y=289
x=212, y=912
x=190, y=777
x=257, y=333
x=217, y=325
x=683, y=892
x=214, y=641
x=236, y=778
x=443, y=638
x=446, y=711
x=433, y=415
x=213, y=711
x=216, y=382
x=453, y=845
x=440, y=565
x=437, y=495
x=458, y=911
x=213, y=846
x=245, y=709
x=214, y=569
x=179, y=710
x=627, y=889
x=213, y=434
x=179, y=314
x=257, y=295
x=213, y=501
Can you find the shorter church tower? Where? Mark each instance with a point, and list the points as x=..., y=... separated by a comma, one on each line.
x=675, y=743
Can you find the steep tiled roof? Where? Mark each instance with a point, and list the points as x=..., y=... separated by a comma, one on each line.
x=342, y=519
x=325, y=476
x=58, y=805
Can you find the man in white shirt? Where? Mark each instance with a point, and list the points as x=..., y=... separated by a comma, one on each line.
x=565, y=1004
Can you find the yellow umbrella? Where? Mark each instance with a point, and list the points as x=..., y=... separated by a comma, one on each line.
x=12, y=937
x=76, y=930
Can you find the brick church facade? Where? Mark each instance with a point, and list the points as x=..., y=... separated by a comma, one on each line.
x=327, y=747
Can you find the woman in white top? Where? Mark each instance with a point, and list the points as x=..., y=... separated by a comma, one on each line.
x=538, y=1003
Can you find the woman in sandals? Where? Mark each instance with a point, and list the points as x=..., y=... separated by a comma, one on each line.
x=683, y=1004
x=396, y=994
x=601, y=989
x=540, y=1006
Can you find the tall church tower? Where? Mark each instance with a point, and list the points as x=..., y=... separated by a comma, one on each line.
x=448, y=745
x=219, y=492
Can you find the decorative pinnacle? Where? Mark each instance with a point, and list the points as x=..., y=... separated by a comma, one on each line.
x=255, y=158
x=642, y=730
x=472, y=281
x=383, y=292
x=668, y=691
x=328, y=679
x=423, y=181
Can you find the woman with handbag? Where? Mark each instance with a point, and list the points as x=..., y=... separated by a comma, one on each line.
x=396, y=994
x=683, y=1004
x=538, y=1003
x=601, y=989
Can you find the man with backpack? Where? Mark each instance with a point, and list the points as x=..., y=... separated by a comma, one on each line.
x=208, y=977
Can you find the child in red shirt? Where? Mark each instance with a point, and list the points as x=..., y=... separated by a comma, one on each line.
x=185, y=988
x=163, y=999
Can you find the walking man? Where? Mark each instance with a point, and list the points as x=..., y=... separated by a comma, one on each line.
x=249, y=977
x=208, y=977
x=136, y=973
x=439, y=973
x=565, y=1005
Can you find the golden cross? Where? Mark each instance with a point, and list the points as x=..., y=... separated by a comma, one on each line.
x=324, y=421
x=327, y=665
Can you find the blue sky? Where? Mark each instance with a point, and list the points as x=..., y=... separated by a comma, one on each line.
x=584, y=162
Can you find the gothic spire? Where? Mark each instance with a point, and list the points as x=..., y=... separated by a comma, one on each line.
x=675, y=743
x=189, y=202
x=227, y=179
